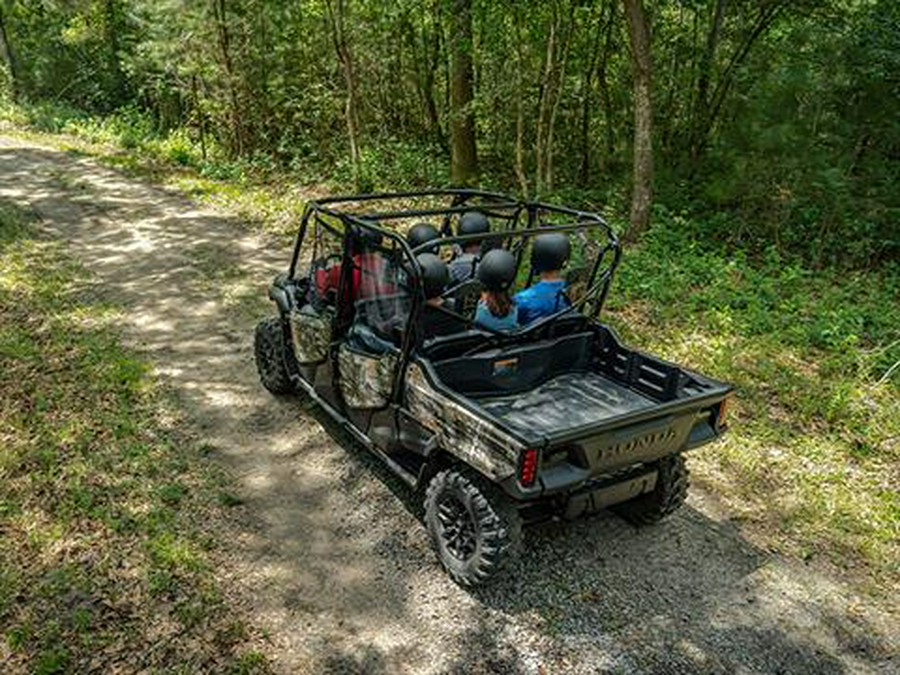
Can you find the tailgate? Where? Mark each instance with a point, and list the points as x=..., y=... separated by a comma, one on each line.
x=633, y=444
x=567, y=462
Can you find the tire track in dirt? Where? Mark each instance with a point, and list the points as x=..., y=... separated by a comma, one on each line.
x=335, y=568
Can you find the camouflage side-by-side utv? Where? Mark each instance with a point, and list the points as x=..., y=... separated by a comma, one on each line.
x=556, y=418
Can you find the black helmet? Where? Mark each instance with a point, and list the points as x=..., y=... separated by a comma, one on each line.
x=497, y=270
x=550, y=252
x=421, y=233
x=473, y=222
x=364, y=238
x=435, y=275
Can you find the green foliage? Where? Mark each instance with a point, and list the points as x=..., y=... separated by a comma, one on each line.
x=678, y=265
x=390, y=165
x=816, y=427
x=809, y=164
x=72, y=52
x=775, y=123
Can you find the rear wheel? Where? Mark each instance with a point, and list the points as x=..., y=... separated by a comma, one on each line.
x=666, y=498
x=271, y=350
x=475, y=529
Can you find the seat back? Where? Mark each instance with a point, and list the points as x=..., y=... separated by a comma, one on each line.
x=517, y=368
x=466, y=297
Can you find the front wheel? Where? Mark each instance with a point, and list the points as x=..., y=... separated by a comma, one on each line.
x=271, y=351
x=475, y=529
x=666, y=498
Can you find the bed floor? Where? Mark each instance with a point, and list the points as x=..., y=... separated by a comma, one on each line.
x=565, y=402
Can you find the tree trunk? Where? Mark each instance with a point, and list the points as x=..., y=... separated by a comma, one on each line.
x=199, y=115
x=351, y=109
x=111, y=27
x=463, y=155
x=701, y=103
x=543, y=107
x=558, y=82
x=604, y=89
x=642, y=191
x=432, y=50
x=520, y=107
x=237, y=144
x=9, y=55
x=767, y=14
x=424, y=47
x=587, y=83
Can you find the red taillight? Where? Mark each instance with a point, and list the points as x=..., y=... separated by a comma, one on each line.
x=528, y=465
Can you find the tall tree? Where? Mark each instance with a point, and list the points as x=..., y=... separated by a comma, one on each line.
x=520, y=104
x=642, y=175
x=112, y=27
x=551, y=93
x=336, y=13
x=708, y=103
x=463, y=155
x=9, y=55
x=224, y=35
x=701, y=99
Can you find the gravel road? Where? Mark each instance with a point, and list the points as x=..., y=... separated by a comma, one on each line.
x=330, y=562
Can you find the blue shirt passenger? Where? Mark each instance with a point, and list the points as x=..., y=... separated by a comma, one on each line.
x=542, y=299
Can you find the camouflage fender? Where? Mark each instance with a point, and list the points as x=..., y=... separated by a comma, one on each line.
x=366, y=380
x=459, y=431
x=311, y=335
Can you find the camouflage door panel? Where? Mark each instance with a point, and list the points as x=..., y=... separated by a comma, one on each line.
x=459, y=431
x=366, y=379
x=311, y=336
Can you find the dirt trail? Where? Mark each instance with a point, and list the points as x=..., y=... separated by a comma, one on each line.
x=338, y=569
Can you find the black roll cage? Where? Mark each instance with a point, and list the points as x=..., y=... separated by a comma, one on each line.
x=597, y=287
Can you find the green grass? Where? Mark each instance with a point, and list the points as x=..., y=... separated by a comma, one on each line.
x=812, y=461
x=110, y=517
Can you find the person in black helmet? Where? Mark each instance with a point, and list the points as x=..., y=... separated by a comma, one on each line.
x=422, y=233
x=549, y=254
x=464, y=266
x=436, y=321
x=496, y=309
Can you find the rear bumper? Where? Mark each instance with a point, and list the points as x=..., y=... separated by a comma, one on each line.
x=578, y=470
x=596, y=495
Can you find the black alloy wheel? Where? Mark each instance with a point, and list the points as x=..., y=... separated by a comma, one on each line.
x=475, y=529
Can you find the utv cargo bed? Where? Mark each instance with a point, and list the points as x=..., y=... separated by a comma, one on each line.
x=575, y=399
x=590, y=404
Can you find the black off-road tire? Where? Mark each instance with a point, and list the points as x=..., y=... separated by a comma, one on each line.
x=666, y=498
x=496, y=526
x=271, y=349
